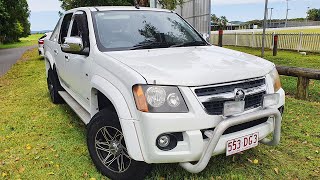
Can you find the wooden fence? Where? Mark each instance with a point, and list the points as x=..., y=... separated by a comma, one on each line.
x=288, y=41
x=304, y=75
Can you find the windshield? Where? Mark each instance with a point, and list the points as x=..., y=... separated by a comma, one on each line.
x=125, y=30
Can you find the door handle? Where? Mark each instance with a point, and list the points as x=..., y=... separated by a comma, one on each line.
x=67, y=58
x=55, y=52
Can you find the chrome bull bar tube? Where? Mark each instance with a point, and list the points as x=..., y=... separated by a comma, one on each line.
x=225, y=124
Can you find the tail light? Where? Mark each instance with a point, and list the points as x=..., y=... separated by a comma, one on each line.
x=41, y=41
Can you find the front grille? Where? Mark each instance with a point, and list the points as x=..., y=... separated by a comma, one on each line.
x=214, y=106
x=229, y=88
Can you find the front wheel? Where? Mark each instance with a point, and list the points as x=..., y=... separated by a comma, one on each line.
x=108, y=150
x=53, y=87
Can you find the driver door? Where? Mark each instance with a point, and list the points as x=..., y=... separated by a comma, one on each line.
x=78, y=66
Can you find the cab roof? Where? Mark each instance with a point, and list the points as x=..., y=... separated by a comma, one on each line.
x=119, y=8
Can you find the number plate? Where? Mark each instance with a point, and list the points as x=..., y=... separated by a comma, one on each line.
x=241, y=144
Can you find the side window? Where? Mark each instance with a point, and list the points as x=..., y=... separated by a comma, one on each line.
x=80, y=27
x=64, y=27
x=55, y=32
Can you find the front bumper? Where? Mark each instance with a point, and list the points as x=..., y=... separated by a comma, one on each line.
x=210, y=147
x=150, y=125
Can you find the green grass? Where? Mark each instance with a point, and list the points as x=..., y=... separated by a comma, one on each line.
x=40, y=140
x=291, y=58
x=28, y=41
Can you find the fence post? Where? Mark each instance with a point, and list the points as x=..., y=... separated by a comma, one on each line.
x=236, y=34
x=272, y=45
x=302, y=88
x=252, y=39
x=275, y=44
x=220, y=37
x=300, y=41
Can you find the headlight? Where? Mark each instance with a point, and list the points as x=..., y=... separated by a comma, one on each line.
x=275, y=79
x=159, y=99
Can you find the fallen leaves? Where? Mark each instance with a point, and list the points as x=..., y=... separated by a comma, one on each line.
x=21, y=169
x=28, y=147
x=255, y=161
x=4, y=174
x=276, y=170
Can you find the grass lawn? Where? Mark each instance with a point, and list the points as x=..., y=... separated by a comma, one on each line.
x=40, y=140
x=291, y=58
x=28, y=41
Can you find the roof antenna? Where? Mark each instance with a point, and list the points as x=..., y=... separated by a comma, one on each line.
x=136, y=4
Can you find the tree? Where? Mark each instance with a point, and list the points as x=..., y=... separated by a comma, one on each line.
x=224, y=21
x=314, y=14
x=170, y=4
x=221, y=22
x=215, y=18
x=14, y=20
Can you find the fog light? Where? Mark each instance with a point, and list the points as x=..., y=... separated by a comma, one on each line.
x=164, y=140
x=270, y=100
x=233, y=107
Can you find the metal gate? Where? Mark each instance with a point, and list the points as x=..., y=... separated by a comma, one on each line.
x=196, y=12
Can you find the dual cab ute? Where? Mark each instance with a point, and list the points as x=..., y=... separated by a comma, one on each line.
x=151, y=89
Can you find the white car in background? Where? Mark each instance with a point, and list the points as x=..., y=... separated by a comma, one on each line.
x=41, y=43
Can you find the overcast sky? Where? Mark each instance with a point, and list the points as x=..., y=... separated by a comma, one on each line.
x=44, y=13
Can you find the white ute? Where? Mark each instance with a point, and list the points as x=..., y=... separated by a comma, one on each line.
x=151, y=89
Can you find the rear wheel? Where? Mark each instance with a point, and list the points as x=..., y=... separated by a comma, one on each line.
x=108, y=150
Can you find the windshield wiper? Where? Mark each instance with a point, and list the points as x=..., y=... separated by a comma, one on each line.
x=150, y=45
x=192, y=43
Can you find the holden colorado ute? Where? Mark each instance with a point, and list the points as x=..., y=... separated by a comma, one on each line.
x=151, y=89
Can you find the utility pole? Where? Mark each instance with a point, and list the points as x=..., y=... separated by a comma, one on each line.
x=307, y=15
x=287, y=13
x=271, y=9
x=264, y=28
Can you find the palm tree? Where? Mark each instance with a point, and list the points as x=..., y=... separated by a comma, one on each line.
x=223, y=21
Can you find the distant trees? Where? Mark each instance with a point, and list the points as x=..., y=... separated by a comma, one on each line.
x=314, y=14
x=14, y=20
x=70, y=4
x=221, y=22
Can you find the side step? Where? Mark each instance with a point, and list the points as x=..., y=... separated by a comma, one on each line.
x=77, y=108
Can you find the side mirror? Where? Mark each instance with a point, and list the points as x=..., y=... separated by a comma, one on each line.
x=74, y=45
x=206, y=36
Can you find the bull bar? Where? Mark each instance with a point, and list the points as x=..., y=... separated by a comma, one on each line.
x=229, y=122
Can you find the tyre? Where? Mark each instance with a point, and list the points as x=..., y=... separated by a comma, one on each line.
x=53, y=87
x=108, y=150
